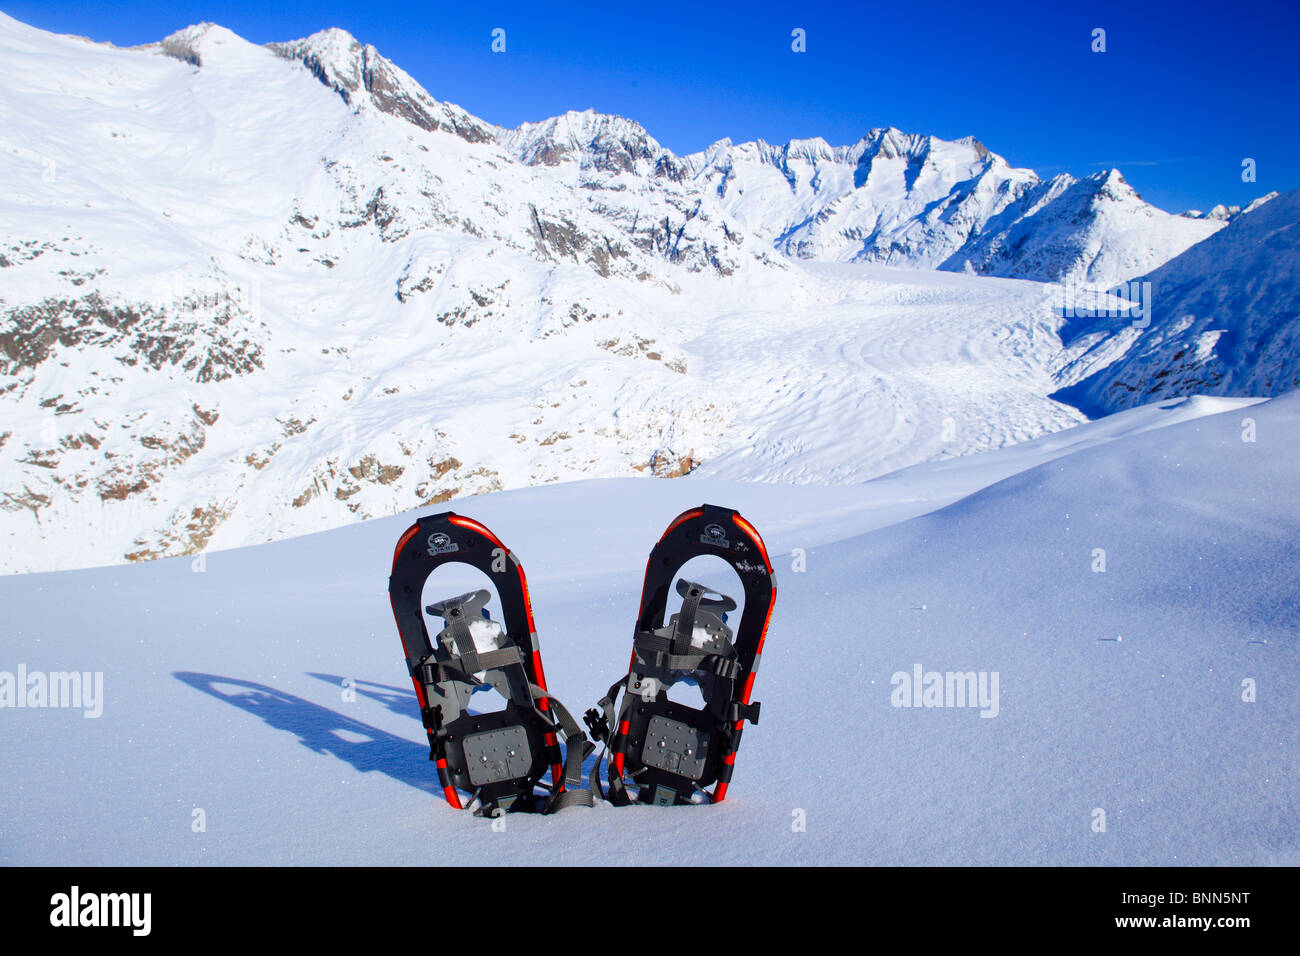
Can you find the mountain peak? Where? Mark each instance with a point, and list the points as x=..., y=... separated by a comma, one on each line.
x=335, y=56
x=982, y=151
x=332, y=35
x=201, y=42
x=594, y=139
x=1111, y=184
x=363, y=77
x=1224, y=323
x=809, y=147
x=582, y=123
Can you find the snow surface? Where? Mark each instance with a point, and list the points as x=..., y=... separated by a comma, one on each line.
x=1121, y=691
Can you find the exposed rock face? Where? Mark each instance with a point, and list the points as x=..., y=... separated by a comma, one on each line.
x=208, y=336
x=360, y=75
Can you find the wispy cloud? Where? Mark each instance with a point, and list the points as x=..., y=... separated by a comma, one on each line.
x=1119, y=163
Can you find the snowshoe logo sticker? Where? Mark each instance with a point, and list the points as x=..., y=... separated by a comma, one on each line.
x=749, y=567
x=441, y=543
x=715, y=535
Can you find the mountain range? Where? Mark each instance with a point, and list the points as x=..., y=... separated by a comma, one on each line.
x=249, y=292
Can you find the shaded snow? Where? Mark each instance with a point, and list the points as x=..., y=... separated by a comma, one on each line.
x=1225, y=319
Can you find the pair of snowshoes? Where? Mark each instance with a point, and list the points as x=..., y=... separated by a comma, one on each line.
x=660, y=751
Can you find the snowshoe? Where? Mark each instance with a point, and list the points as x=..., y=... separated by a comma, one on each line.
x=666, y=751
x=498, y=758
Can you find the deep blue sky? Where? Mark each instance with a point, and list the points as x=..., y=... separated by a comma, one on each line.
x=1183, y=93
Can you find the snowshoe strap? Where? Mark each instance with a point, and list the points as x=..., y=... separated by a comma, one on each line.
x=562, y=721
x=457, y=614
x=617, y=792
x=694, y=597
x=602, y=723
x=430, y=670
x=576, y=750
x=466, y=660
x=472, y=601
x=658, y=651
x=563, y=799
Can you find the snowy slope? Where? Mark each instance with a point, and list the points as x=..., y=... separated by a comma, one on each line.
x=1225, y=320
x=223, y=689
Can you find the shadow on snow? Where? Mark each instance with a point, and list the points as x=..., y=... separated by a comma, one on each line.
x=324, y=731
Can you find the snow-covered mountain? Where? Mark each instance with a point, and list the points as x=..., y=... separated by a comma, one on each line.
x=249, y=292
x=1228, y=213
x=363, y=78
x=891, y=198
x=1225, y=320
x=916, y=200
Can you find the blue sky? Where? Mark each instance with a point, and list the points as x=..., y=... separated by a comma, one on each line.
x=1183, y=93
